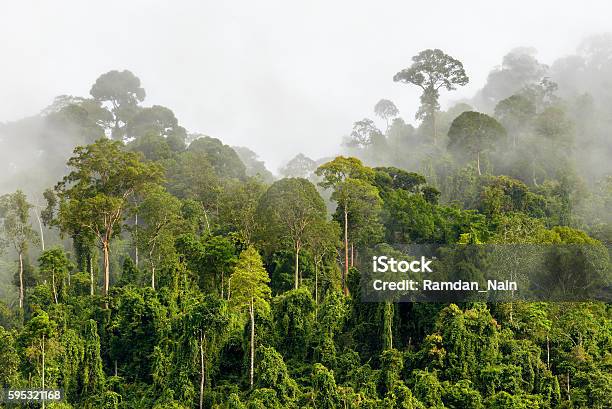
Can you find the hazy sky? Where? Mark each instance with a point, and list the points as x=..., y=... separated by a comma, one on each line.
x=280, y=77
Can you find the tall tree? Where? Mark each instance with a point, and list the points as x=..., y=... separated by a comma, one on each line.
x=290, y=209
x=16, y=229
x=386, y=110
x=352, y=190
x=95, y=194
x=250, y=291
x=432, y=70
x=206, y=319
x=474, y=133
x=55, y=265
x=123, y=91
x=160, y=217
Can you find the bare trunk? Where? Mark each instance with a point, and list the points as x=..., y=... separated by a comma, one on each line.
x=222, y=283
x=352, y=256
x=54, y=289
x=43, y=366
x=569, y=397
x=345, y=275
x=20, y=280
x=435, y=130
x=478, y=163
x=201, y=370
x=153, y=277
x=106, y=264
x=91, y=277
x=40, y=228
x=135, y=242
x=316, y=284
x=297, y=265
x=252, y=313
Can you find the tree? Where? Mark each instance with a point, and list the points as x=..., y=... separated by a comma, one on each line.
x=123, y=91
x=301, y=166
x=254, y=166
x=386, y=110
x=432, y=70
x=250, y=291
x=350, y=181
x=55, y=264
x=238, y=207
x=474, y=133
x=16, y=229
x=291, y=209
x=516, y=113
x=160, y=214
x=207, y=319
x=95, y=194
x=364, y=133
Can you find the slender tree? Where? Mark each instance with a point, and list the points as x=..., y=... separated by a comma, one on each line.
x=291, y=209
x=250, y=292
x=16, y=230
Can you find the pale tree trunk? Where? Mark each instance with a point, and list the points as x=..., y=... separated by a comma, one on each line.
x=91, y=276
x=346, y=261
x=201, y=370
x=252, y=314
x=54, y=289
x=135, y=241
x=40, y=228
x=352, y=256
x=43, y=366
x=222, y=282
x=478, y=163
x=21, y=280
x=316, y=285
x=106, y=264
x=435, y=130
x=297, y=264
x=152, y=269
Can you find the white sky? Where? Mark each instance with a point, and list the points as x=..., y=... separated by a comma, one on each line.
x=280, y=77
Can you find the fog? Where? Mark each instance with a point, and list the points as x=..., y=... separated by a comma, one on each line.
x=278, y=77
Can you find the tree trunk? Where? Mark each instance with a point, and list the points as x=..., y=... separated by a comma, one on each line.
x=136, y=242
x=91, y=276
x=345, y=275
x=53, y=284
x=21, y=280
x=252, y=313
x=106, y=264
x=222, y=282
x=435, y=130
x=43, y=366
x=153, y=277
x=297, y=265
x=478, y=163
x=316, y=285
x=201, y=370
x=352, y=256
x=40, y=228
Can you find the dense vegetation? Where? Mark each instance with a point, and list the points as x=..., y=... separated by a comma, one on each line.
x=167, y=270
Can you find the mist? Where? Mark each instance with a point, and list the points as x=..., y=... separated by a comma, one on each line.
x=296, y=75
